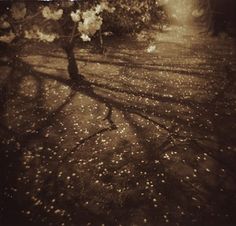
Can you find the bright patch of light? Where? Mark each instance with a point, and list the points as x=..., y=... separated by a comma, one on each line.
x=180, y=10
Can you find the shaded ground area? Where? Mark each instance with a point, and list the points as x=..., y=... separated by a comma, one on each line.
x=151, y=142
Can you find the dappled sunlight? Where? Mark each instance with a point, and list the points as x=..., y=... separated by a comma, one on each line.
x=142, y=134
x=145, y=125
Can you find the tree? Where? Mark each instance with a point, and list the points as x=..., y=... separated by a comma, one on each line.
x=59, y=22
x=66, y=22
x=219, y=15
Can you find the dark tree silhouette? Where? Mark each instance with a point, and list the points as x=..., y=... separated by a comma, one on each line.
x=219, y=16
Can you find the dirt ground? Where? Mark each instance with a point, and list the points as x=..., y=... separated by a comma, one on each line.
x=152, y=140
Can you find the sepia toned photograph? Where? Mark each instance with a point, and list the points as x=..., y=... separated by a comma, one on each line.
x=118, y=113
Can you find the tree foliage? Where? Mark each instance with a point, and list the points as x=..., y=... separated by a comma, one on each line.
x=44, y=21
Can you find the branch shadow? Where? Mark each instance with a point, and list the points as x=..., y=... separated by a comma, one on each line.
x=153, y=149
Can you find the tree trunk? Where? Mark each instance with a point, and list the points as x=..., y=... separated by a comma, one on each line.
x=72, y=67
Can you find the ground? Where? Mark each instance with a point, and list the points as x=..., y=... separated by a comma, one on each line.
x=151, y=141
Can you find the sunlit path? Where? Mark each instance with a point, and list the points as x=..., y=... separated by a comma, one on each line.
x=149, y=142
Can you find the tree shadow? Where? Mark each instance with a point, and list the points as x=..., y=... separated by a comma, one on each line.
x=176, y=137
